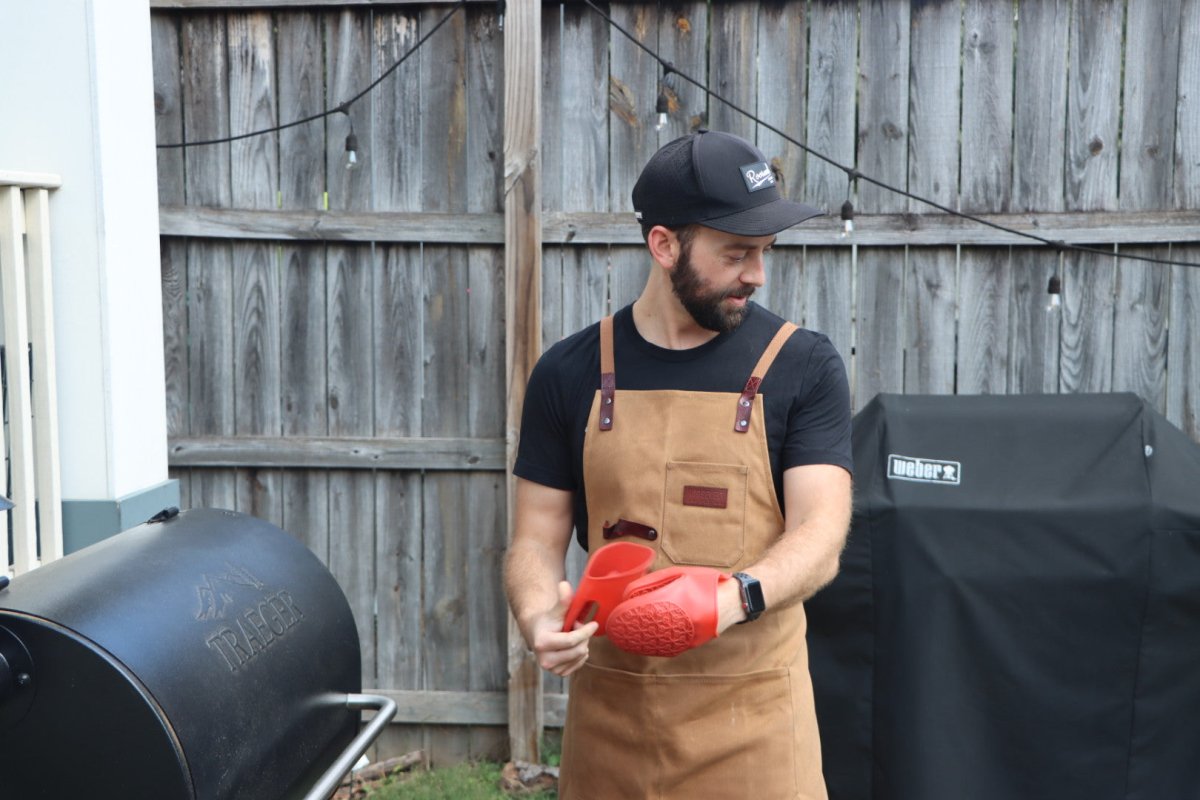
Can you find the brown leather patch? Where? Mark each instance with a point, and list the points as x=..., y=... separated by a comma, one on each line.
x=706, y=496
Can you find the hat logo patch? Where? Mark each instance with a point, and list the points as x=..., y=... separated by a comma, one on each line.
x=757, y=176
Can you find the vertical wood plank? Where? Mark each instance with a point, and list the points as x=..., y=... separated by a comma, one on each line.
x=882, y=152
x=387, y=178
x=254, y=179
x=733, y=75
x=444, y=412
x=1183, y=358
x=168, y=127
x=1091, y=184
x=931, y=287
x=683, y=30
x=822, y=285
x=522, y=312
x=1039, y=111
x=1039, y=105
x=1183, y=355
x=350, y=374
x=634, y=83
x=486, y=495
x=782, y=58
x=302, y=280
x=1088, y=300
x=985, y=288
x=1147, y=160
x=209, y=264
x=832, y=79
x=1187, y=129
x=1094, y=97
x=349, y=293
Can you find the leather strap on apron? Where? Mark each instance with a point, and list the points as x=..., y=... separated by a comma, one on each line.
x=746, y=402
x=735, y=716
x=608, y=375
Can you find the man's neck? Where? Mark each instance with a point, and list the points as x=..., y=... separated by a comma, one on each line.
x=663, y=321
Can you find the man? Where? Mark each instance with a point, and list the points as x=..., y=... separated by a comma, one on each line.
x=679, y=423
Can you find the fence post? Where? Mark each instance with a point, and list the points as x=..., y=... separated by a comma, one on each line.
x=523, y=306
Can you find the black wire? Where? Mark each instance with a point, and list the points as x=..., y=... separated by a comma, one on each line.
x=343, y=108
x=853, y=172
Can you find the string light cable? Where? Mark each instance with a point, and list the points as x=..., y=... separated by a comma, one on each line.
x=341, y=108
x=853, y=173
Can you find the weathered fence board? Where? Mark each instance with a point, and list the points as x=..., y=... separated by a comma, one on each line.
x=984, y=275
x=335, y=338
x=209, y=266
x=253, y=103
x=304, y=387
x=878, y=356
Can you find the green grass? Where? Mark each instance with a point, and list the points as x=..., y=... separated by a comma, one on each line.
x=478, y=781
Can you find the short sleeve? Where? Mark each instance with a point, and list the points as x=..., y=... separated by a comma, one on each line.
x=818, y=430
x=543, y=450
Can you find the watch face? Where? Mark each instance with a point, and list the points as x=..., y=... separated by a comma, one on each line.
x=754, y=596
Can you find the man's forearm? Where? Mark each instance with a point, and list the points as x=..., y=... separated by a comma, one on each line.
x=531, y=576
x=798, y=565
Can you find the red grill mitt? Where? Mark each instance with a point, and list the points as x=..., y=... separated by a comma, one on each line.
x=667, y=612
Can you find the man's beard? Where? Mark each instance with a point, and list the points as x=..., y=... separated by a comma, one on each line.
x=704, y=305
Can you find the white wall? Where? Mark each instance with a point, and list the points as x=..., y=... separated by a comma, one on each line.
x=77, y=100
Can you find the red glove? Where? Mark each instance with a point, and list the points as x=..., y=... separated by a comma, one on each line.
x=667, y=612
x=611, y=569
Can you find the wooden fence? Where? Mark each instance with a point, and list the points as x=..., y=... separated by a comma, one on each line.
x=335, y=339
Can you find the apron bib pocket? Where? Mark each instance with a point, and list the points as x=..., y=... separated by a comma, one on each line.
x=704, y=514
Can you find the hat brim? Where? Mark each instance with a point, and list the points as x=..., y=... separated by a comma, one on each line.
x=765, y=220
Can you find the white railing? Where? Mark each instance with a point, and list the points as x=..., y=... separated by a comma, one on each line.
x=31, y=473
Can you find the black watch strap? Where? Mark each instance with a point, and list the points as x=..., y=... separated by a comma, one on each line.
x=752, y=596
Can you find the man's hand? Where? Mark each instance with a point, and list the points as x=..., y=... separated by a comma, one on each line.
x=556, y=651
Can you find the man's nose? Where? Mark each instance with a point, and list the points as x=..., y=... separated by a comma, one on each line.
x=754, y=272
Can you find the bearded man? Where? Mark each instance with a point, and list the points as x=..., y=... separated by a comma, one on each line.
x=699, y=424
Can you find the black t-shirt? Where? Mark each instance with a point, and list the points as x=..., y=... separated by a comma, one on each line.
x=805, y=395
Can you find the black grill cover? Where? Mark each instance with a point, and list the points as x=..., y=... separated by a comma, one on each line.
x=1018, y=611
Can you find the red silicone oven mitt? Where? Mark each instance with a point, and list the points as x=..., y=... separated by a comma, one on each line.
x=667, y=612
x=608, y=572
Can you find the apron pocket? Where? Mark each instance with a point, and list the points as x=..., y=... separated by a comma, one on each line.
x=681, y=737
x=704, y=513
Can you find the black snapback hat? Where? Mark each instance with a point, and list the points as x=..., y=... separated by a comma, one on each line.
x=717, y=180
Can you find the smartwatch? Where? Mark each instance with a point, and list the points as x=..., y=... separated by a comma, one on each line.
x=752, y=596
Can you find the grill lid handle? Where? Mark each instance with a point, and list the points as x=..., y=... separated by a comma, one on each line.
x=385, y=709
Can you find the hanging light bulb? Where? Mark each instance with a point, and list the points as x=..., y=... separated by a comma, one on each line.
x=1054, y=289
x=351, y=150
x=661, y=108
x=847, y=219
x=500, y=9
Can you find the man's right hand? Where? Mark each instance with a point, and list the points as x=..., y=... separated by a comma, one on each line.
x=558, y=652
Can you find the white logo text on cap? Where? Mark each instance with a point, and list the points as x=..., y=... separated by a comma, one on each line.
x=757, y=176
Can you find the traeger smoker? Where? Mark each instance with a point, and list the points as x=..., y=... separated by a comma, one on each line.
x=207, y=656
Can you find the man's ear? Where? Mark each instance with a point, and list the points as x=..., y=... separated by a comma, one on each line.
x=663, y=246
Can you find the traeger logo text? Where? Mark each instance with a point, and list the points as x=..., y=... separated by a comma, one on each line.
x=924, y=470
x=250, y=632
x=758, y=176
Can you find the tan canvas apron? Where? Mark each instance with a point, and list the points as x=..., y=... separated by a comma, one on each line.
x=734, y=717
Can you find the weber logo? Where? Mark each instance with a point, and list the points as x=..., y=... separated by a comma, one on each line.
x=757, y=176
x=924, y=470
